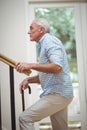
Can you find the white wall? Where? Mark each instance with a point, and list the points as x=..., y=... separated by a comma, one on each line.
x=12, y=28
x=13, y=45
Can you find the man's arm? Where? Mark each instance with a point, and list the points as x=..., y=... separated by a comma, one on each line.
x=46, y=68
x=24, y=84
x=33, y=79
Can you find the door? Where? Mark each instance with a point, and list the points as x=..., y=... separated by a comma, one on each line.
x=65, y=27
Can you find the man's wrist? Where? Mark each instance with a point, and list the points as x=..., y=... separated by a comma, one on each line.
x=34, y=66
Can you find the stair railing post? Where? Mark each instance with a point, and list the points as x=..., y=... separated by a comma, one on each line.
x=12, y=98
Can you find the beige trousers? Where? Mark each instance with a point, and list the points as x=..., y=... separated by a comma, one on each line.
x=53, y=105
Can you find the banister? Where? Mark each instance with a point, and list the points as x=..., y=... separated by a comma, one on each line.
x=12, y=98
x=12, y=65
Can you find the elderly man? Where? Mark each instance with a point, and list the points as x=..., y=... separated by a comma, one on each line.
x=53, y=76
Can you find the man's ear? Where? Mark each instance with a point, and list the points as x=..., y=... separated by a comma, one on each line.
x=42, y=30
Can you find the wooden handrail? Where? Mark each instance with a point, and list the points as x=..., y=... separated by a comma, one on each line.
x=11, y=63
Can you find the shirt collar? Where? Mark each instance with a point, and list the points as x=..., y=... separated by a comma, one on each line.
x=41, y=40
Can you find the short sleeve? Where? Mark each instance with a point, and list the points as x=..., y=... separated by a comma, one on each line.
x=55, y=53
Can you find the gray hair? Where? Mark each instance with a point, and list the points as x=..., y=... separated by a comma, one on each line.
x=43, y=23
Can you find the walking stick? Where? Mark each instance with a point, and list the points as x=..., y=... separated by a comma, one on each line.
x=23, y=101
